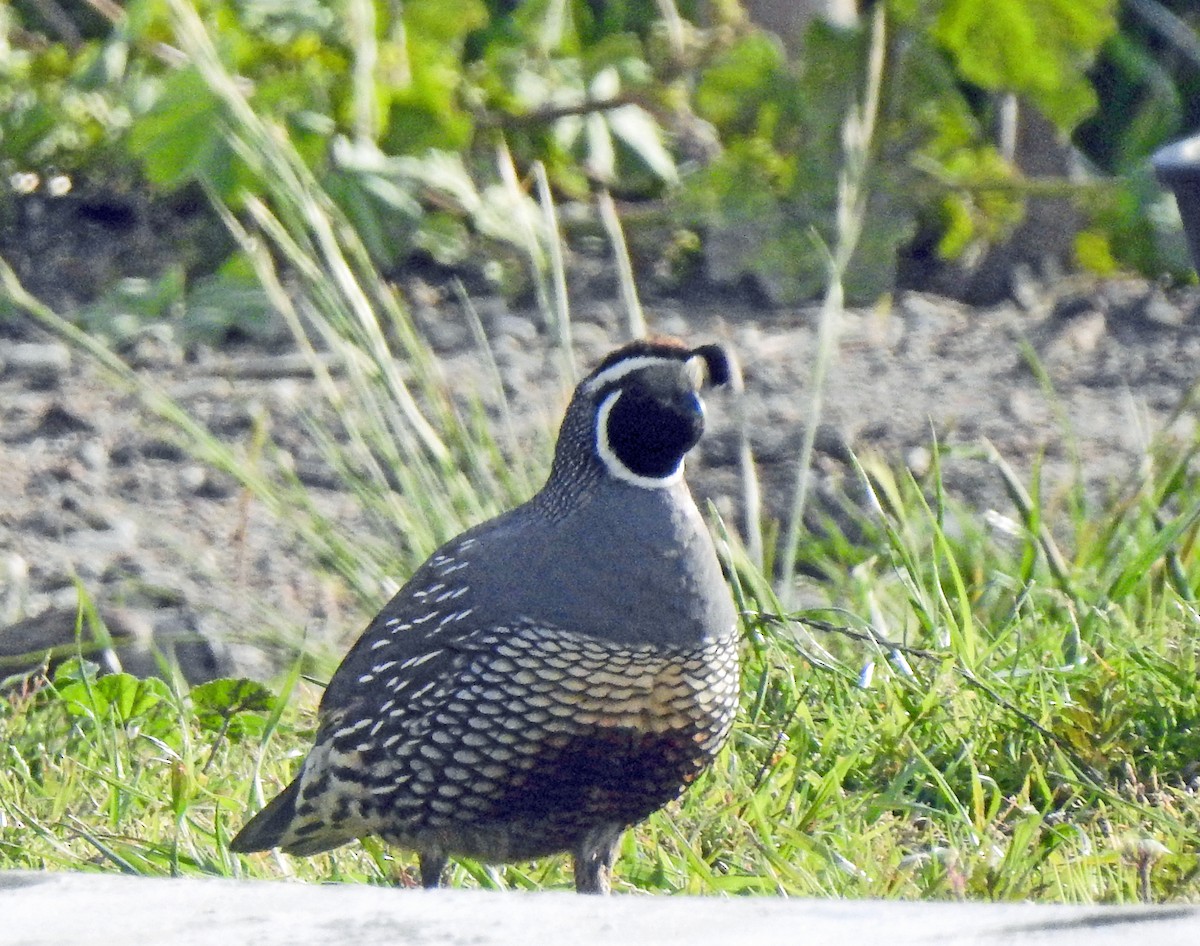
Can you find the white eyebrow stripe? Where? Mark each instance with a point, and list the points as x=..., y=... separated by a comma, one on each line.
x=624, y=367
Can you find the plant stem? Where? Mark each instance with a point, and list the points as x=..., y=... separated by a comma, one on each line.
x=858, y=131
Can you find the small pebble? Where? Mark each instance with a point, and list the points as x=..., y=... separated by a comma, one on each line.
x=513, y=327
x=589, y=336
x=160, y=449
x=216, y=486
x=1024, y=407
x=154, y=347
x=1159, y=311
x=36, y=359
x=829, y=440
x=918, y=460
x=192, y=478
x=93, y=456
x=58, y=421
x=123, y=454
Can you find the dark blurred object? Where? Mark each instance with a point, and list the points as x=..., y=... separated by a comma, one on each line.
x=1178, y=167
x=118, y=639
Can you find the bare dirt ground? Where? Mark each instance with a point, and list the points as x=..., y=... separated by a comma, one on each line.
x=94, y=493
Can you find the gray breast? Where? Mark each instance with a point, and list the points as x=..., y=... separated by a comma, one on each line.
x=632, y=565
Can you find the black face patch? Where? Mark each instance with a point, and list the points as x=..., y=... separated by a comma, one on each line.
x=649, y=436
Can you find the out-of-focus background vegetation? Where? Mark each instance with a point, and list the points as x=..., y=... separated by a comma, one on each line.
x=718, y=126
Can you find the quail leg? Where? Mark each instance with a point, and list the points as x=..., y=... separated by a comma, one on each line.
x=433, y=864
x=593, y=867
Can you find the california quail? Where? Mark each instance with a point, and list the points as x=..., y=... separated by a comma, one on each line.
x=550, y=677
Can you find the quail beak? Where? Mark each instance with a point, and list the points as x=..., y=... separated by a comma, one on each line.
x=696, y=371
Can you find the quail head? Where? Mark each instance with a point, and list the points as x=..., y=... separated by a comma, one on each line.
x=549, y=677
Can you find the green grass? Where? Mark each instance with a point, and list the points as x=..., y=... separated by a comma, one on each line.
x=993, y=711
x=1015, y=740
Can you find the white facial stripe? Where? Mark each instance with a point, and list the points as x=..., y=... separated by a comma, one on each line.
x=622, y=368
x=614, y=465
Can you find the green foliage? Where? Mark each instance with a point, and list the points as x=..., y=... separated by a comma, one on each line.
x=424, y=109
x=52, y=109
x=1145, y=103
x=118, y=700
x=770, y=202
x=179, y=138
x=1139, y=225
x=996, y=730
x=605, y=95
x=236, y=709
x=131, y=305
x=229, y=300
x=1149, y=89
x=384, y=196
x=432, y=88
x=1039, y=48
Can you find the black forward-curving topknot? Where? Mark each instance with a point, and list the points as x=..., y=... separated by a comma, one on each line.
x=716, y=360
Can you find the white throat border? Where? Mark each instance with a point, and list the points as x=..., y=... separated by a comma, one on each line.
x=613, y=463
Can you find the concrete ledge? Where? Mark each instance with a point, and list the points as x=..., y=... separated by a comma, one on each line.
x=48, y=909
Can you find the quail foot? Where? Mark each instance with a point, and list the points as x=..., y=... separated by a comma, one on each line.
x=550, y=677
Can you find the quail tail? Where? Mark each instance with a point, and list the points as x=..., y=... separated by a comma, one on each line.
x=267, y=828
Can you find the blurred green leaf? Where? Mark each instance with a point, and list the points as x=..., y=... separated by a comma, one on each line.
x=117, y=698
x=133, y=303
x=1039, y=48
x=284, y=21
x=550, y=24
x=642, y=135
x=234, y=707
x=76, y=669
x=425, y=111
x=231, y=300
x=179, y=140
x=735, y=90
x=444, y=237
